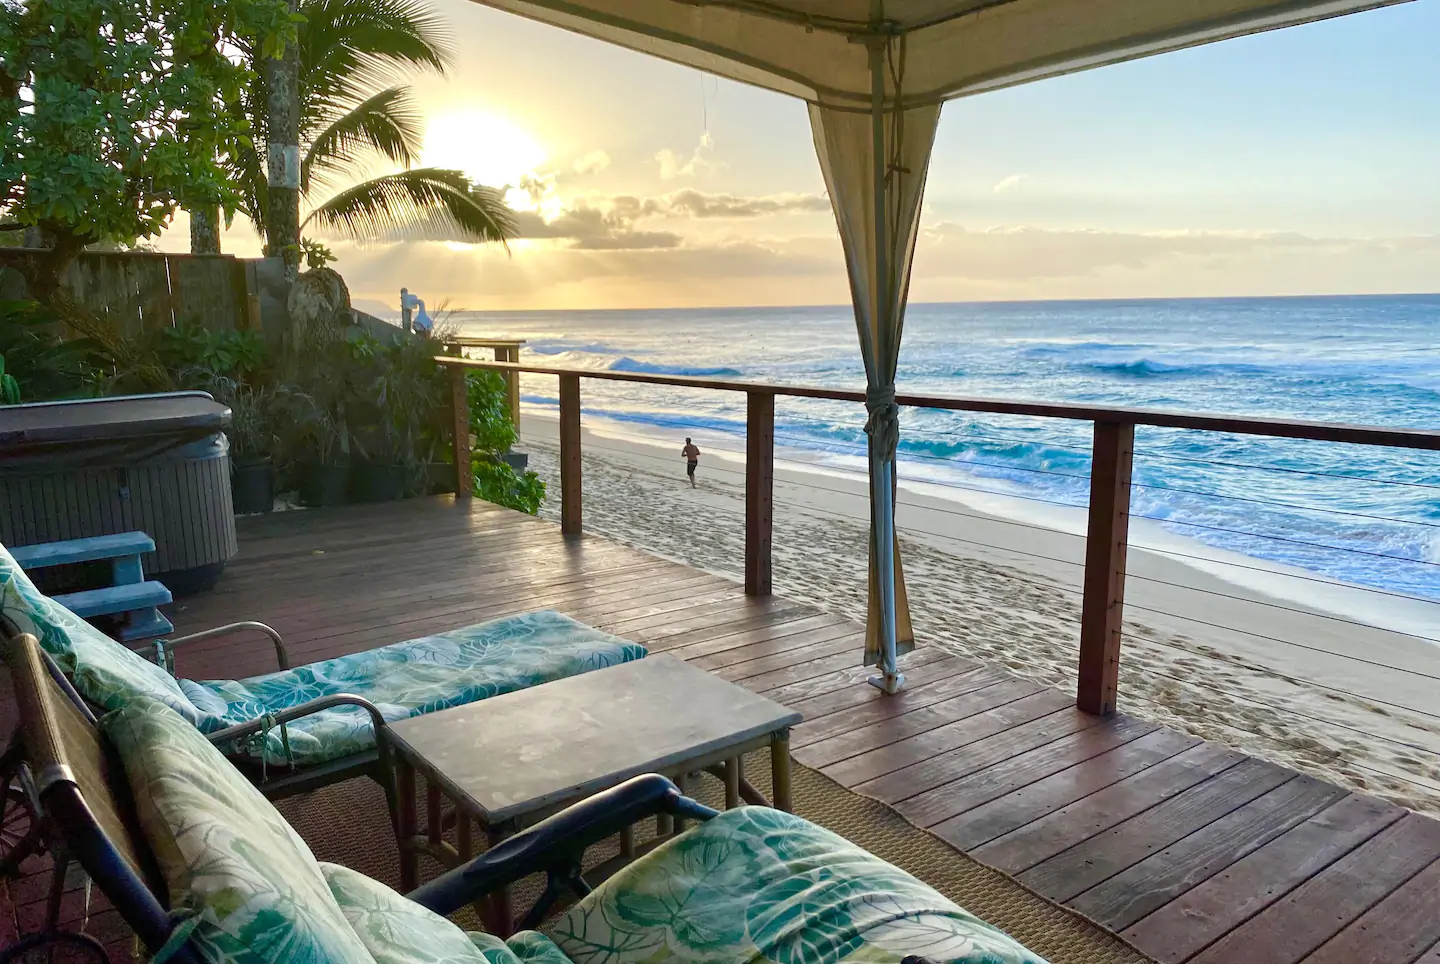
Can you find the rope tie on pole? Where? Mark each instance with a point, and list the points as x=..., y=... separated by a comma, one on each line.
x=883, y=425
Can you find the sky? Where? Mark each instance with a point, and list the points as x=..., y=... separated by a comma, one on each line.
x=1303, y=161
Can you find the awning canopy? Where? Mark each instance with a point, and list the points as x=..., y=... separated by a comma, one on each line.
x=815, y=49
x=875, y=73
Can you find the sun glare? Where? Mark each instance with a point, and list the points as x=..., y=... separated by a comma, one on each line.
x=491, y=149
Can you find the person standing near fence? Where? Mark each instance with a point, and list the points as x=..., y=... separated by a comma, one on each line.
x=692, y=459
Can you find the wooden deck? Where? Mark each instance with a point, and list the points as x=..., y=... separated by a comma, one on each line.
x=1190, y=850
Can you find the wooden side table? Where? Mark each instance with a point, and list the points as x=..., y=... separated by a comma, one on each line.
x=507, y=762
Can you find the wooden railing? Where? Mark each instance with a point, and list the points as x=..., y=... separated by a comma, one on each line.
x=1108, y=523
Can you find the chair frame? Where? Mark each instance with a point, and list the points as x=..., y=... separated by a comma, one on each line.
x=554, y=847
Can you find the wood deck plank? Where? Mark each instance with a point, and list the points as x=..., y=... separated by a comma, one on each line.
x=827, y=713
x=923, y=732
x=900, y=753
x=1028, y=804
x=1206, y=912
x=881, y=708
x=1097, y=858
x=1019, y=771
x=1022, y=849
x=1398, y=929
x=953, y=764
x=1297, y=924
x=1154, y=881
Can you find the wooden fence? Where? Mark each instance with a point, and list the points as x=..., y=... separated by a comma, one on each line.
x=140, y=291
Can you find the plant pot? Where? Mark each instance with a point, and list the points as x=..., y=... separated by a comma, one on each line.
x=441, y=477
x=252, y=486
x=379, y=483
x=323, y=484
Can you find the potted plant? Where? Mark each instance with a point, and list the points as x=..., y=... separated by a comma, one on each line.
x=252, y=443
x=322, y=473
x=403, y=392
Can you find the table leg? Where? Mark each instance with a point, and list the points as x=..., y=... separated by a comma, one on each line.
x=501, y=921
x=464, y=846
x=683, y=780
x=434, y=816
x=732, y=783
x=408, y=825
x=664, y=826
x=627, y=843
x=780, y=770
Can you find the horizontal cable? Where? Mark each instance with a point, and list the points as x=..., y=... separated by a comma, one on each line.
x=1322, y=580
x=1276, y=672
x=1302, y=612
x=1271, y=706
x=1143, y=485
x=1275, y=468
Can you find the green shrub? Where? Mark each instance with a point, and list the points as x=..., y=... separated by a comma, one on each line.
x=494, y=432
x=45, y=365
x=490, y=421
x=498, y=482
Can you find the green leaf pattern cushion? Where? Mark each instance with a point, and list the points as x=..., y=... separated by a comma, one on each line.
x=760, y=885
x=105, y=672
x=226, y=853
x=410, y=678
x=400, y=931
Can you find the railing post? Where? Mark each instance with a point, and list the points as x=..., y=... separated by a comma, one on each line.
x=460, y=429
x=759, y=490
x=570, y=455
x=511, y=353
x=1104, y=603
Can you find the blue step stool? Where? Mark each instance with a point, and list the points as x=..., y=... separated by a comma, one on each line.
x=132, y=595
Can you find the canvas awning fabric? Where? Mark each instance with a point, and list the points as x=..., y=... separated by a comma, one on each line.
x=875, y=73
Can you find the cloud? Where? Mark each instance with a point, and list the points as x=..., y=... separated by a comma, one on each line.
x=696, y=204
x=592, y=162
x=609, y=221
x=672, y=165
x=593, y=227
x=592, y=256
x=1007, y=184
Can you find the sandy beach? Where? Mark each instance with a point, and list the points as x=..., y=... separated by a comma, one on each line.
x=1253, y=658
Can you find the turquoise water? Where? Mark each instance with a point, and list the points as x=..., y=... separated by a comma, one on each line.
x=1365, y=515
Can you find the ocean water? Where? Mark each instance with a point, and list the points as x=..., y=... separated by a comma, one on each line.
x=1369, y=516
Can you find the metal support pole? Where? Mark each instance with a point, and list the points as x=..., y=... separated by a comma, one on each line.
x=882, y=466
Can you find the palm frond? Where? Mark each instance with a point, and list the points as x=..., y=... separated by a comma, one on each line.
x=385, y=123
x=425, y=203
x=347, y=47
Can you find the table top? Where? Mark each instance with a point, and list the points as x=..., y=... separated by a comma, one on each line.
x=516, y=754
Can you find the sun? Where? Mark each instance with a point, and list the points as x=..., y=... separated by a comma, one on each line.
x=491, y=149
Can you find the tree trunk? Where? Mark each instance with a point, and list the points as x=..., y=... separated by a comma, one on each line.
x=205, y=230
x=282, y=86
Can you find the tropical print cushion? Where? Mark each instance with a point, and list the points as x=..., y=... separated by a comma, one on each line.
x=759, y=885
x=256, y=891
x=399, y=931
x=105, y=672
x=408, y=679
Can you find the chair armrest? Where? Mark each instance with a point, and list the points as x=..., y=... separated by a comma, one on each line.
x=164, y=645
x=242, y=730
x=556, y=844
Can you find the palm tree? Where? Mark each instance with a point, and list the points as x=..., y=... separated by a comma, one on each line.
x=352, y=118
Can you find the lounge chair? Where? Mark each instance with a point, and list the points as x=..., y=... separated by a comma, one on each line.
x=309, y=726
x=209, y=871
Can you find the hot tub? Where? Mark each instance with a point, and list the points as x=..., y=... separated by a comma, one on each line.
x=91, y=467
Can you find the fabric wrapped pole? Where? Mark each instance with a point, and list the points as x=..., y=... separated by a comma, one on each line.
x=878, y=219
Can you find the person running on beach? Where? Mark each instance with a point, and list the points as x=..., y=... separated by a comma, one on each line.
x=692, y=459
